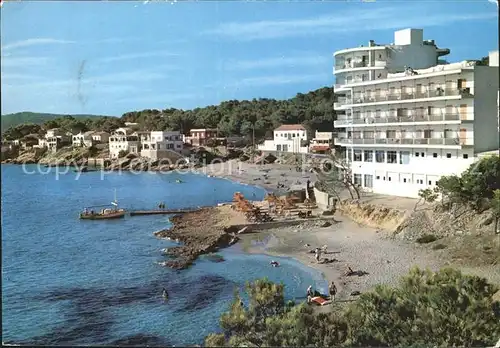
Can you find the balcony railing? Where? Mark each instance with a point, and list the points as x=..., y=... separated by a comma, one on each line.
x=446, y=92
x=401, y=119
x=405, y=141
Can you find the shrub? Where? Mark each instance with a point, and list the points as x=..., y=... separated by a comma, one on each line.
x=122, y=153
x=441, y=309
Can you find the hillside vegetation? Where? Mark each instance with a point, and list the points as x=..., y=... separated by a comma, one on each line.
x=314, y=110
x=12, y=120
x=442, y=309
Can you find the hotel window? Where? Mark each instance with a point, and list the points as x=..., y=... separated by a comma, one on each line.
x=358, y=179
x=404, y=157
x=368, y=156
x=380, y=156
x=465, y=156
x=417, y=154
x=392, y=157
x=435, y=155
x=357, y=156
x=448, y=155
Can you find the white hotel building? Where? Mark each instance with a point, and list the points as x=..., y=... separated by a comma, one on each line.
x=405, y=118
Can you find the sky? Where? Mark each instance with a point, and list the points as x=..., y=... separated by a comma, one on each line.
x=111, y=57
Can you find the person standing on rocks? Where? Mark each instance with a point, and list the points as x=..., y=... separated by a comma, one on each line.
x=333, y=291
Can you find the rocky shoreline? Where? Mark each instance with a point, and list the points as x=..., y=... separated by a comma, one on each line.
x=200, y=232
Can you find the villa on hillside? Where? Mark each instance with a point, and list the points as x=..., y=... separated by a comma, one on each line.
x=157, y=145
x=83, y=139
x=287, y=138
x=100, y=137
x=199, y=137
x=28, y=141
x=54, y=139
x=322, y=142
x=123, y=139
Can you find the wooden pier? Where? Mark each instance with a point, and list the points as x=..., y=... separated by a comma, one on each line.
x=162, y=212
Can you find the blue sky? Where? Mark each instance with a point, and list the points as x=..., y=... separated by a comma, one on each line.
x=113, y=57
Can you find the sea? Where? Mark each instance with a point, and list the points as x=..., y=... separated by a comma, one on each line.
x=71, y=282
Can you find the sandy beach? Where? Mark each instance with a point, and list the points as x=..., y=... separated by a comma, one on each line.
x=373, y=254
x=374, y=258
x=266, y=176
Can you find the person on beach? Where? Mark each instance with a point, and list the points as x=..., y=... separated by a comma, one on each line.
x=310, y=292
x=333, y=291
x=349, y=271
x=317, y=255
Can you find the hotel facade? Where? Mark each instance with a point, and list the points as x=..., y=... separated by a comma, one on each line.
x=405, y=118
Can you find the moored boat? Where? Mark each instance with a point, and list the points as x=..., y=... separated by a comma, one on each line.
x=106, y=212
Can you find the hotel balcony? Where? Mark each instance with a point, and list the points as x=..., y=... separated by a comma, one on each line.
x=342, y=122
x=406, y=142
x=361, y=64
x=399, y=96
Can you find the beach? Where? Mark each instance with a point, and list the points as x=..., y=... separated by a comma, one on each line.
x=373, y=257
x=266, y=176
x=372, y=253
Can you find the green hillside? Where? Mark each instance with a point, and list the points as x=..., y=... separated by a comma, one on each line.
x=12, y=120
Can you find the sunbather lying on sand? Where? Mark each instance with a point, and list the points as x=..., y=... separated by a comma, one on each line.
x=349, y=271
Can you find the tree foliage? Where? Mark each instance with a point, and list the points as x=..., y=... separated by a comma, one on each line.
x=475, y=186
x=495, y=207
x=314, y=110
x=439, y=309
x=18, y=118
x=334, y=175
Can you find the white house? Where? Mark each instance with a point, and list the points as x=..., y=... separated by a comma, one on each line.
x=55, y=138
x=402, y=132
x=322, y=142
x=83, y=139
x=160, y=144
x=287, y=138
x=122, y=139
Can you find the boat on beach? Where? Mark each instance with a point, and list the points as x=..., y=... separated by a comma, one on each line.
x=106, y=212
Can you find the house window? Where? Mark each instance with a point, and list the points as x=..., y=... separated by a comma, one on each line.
x=368, y=156
x=392, y=157
x=357, y=156
x=278, y=147
x=416, y=154
x=389, y=178
x=404, y=179
x=404, y=157
x=422, y=154
x=435, y=155
x=377, y=177
x=448, y=155
x=380, y=156
x=465, y=156
x=430, y=182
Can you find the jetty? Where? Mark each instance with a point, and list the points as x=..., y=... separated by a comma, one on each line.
x=162, y=212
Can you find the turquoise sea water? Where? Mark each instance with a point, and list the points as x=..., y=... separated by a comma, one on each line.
x=66, y=281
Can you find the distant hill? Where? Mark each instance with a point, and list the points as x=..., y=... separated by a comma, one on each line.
x=12, y=120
